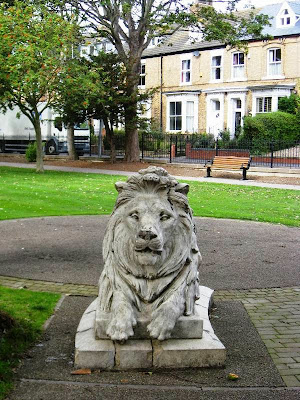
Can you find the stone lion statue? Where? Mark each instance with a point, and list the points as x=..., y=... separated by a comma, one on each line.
x=151, y=256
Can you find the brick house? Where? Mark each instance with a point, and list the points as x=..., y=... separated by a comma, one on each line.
x=208, y=87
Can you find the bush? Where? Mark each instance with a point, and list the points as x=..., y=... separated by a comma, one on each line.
x=119, y=135
x=202, y=141
x=30, y=154
x=277, y=130
x=290, y=104
x=277, y=126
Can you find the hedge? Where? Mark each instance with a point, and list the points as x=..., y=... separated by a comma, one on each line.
x=277, y=126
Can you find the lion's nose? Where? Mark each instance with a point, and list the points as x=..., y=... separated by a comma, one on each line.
x=147, y=234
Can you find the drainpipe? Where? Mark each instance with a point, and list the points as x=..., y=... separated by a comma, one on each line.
x=161, y=88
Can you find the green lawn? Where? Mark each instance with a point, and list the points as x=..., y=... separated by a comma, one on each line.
x=24, y=193
x=22, y=315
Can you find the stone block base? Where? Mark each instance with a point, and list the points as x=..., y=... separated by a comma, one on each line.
x=146, y=353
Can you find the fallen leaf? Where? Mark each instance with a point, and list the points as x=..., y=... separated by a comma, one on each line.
x=232, y=377
x=83, y=371
x=124, y=380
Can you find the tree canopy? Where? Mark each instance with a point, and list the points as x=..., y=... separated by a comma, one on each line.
x=33, y=47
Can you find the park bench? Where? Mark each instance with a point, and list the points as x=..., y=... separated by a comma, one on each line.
x=229, y=163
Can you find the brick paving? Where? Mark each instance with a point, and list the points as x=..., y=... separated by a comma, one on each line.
x=274, y=312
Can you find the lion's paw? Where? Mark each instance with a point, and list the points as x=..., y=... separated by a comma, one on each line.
x=161, y=327
x=120, y=329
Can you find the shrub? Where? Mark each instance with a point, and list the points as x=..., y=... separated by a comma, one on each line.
x=273, y=126
x=30, y=154
x=290, y=104
x=119, y=135
x=204, y=140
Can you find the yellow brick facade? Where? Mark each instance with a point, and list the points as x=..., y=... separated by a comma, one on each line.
x=226, y=98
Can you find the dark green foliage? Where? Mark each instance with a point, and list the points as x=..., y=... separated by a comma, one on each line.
x=30, y=154
x=290, y=104
x=278, y=127
x=204, y=140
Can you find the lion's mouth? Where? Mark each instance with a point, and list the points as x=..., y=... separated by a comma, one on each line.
x=149, y=250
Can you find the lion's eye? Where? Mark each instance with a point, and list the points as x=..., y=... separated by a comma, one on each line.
x=134, y=215
x=164, y=216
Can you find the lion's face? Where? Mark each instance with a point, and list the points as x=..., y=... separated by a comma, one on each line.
x=151, y=222
x=149, y=233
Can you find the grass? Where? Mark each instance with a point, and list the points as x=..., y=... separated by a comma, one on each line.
x=24, y=194
x=22, y=315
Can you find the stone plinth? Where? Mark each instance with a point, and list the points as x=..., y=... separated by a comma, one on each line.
x=146, y=353
x=190, y=327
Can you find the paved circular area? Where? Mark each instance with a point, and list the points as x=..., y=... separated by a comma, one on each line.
x=236, y=254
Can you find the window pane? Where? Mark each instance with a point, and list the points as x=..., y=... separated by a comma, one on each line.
x=238, y=71
x=172, y=108
x=189, y=124
x=190, y=108
x=235, y=59
x=217, y=105
x=275, y=69
x=259, y=105
x=218, y=73
x=178, y=108
x=172, y=123
x=278, y=55
x=268, y=104
x=216, y=60
x=178, y=123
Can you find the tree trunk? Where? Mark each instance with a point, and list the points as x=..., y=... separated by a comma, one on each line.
x=132, y=148
x=111, y=138
x=39, y=146
x=71, y=145
x=113, y=154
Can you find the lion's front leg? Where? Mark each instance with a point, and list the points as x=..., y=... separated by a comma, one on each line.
x=165, y=316
x=120, y=327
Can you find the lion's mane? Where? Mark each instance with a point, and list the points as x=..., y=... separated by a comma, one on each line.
x=179, y=271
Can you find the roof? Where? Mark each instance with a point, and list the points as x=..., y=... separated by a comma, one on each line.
x=272, y=10
x=179, y=41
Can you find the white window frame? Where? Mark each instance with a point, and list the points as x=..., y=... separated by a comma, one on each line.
x=213, y=68
x=184, y=99
x=183, y=72
x=272, y=63
x=145, y=109
x=263, y=105
x=142, y=75
x=273, y=93
x=238, y=70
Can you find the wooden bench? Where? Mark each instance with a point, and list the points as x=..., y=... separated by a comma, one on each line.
x=229, y=163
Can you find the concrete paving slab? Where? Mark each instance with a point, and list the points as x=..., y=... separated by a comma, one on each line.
x=51, y=360
x=57, y=390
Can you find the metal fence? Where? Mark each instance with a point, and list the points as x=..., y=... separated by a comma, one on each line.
x=198, y=149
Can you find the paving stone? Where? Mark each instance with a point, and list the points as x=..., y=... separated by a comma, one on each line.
x=291, y=381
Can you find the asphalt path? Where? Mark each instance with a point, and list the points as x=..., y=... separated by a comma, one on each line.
x=236, y=254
